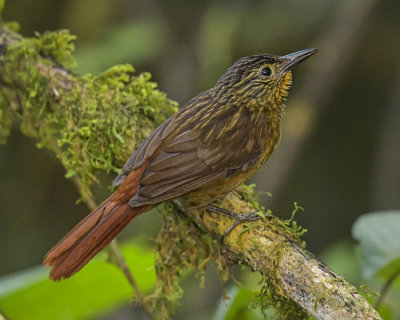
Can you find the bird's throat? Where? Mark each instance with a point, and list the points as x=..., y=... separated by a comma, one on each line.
x=281, y=90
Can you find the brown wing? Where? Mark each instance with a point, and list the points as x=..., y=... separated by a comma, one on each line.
x=196, y=157
x=159, y=136
x=146, y=149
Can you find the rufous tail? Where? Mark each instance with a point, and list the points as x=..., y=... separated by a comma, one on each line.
x=91, y=235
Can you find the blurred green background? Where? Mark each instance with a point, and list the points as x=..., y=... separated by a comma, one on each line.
x=340, y=152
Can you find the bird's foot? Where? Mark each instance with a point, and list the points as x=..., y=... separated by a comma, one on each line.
x=239, y=217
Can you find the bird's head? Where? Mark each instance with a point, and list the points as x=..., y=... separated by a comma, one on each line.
x=260, y=82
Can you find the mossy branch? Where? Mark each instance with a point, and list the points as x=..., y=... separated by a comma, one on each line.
x=93, y=123
x=291, y=273
x=96, y=122
x=38, y=77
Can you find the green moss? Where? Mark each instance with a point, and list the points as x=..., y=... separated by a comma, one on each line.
x=271, y=293
x=5, y=118
x=58, y=45
x=271, y=298
x=92, y=122
x=12, y=25
x=181, y=245
x=294, y=229
x=288, y=227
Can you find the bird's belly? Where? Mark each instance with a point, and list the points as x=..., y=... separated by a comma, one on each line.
x=222, y=186
x=211, y=192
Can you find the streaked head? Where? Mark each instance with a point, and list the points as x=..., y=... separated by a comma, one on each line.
x=262, y=78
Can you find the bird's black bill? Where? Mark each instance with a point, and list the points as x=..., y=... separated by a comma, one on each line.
x=293, y=59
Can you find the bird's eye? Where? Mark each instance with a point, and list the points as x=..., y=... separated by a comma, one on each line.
x=266, y=71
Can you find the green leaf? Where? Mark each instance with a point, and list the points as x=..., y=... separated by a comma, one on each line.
x=97, y=289
x=379, y=237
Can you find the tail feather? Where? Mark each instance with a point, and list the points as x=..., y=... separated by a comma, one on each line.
x=90, y=236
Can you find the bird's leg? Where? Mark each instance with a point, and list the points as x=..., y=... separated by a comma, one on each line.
x=239, y=217
x=242, y=217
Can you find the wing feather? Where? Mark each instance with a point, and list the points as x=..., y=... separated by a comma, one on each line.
x=187, y=153
x=165, y=160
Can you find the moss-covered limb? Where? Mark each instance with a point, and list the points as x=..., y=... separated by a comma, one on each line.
x=272, y=247
x=78, y=118
x=95, y=121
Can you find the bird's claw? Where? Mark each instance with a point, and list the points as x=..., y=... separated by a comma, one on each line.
x=239, y=217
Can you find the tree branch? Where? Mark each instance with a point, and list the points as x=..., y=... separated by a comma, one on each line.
x=60, y=80
x=270, y=247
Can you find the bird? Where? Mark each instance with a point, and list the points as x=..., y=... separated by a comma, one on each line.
x=209, y=147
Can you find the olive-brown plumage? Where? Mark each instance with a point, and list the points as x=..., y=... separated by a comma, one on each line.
x=207, y=149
